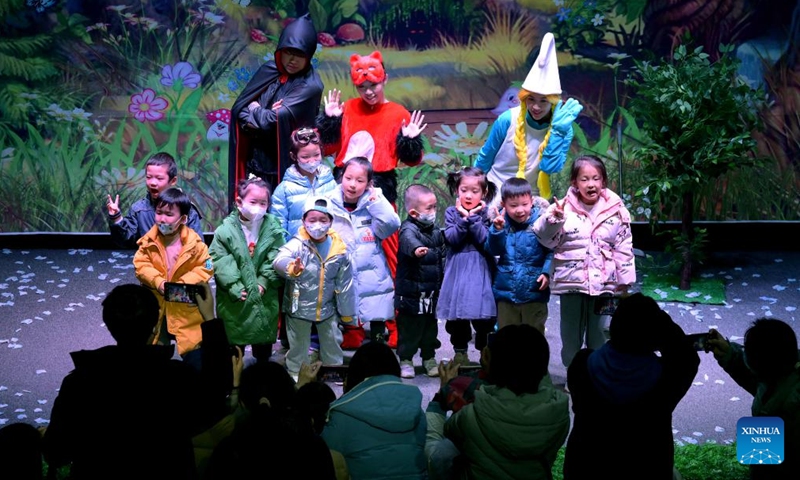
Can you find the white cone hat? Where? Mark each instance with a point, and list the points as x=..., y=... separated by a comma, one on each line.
x=543, y=77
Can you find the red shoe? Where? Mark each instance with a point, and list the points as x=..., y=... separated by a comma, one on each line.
x=353, y=337
x=391, y=327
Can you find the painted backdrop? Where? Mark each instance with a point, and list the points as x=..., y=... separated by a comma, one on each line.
x=90, y=88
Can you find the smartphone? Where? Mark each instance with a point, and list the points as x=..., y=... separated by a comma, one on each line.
x=699, y=341
x=182, y=292
x=490, y=339
x=332, y=373
x=606, y=305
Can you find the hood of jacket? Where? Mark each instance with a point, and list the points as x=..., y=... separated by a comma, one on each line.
x=300, y=35
x=524, y=426
x=621, y=377
x=383, y=402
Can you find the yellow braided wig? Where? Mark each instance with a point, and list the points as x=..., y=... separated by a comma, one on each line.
x=521, y=146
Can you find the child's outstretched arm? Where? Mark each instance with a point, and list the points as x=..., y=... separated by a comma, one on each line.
x=124, y=229
x=623, y=252
x=287, y=255
x=548, y=227
x=329, y=122
x=496, y=240
x=226, y=268
x=384, y=219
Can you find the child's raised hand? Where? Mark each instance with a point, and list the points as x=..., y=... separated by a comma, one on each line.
x=557, y=208
x=499, y=221
x=260, y=290
x=421, y=251
x=243, y=296
x=296, y=267
x=113, y=206
x=333, y=108
x=415, y=126
x=371, y=193
x=277, y=105
x=463, y=211
x=477, y=209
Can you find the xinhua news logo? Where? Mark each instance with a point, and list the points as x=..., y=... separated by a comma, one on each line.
x=759, y=440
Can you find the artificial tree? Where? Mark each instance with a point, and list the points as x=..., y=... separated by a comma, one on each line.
x=698, y=117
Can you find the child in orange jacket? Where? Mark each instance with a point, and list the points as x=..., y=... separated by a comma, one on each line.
x=172, y=252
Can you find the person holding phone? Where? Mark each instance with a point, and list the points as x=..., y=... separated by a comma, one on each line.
x=624, y=387
x=589, y=231
x=172, y=252
x=768, y=367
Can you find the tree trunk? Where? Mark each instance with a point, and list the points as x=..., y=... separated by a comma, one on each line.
x=687, y=237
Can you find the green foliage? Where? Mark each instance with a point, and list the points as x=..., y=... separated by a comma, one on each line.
x=698, y=117
x=461, y=19
x=682, y=245
x=709, y=461
x=327, y=15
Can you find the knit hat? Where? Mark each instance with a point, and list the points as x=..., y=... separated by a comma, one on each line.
x=369, y=68
x=543, y=77
x=319, y=204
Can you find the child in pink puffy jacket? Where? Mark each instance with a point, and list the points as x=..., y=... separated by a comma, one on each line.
x=589, y=231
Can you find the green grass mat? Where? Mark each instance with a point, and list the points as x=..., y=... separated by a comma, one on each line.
x=664, y=288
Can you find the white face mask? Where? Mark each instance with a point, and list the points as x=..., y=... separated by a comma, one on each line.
x=252, y=212
x=310, y=167
x=427, y=218
x=317, y=230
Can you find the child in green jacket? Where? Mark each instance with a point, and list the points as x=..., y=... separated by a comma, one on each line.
x=244, y=247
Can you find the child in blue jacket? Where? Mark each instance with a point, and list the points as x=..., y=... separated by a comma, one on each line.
x=521, y=284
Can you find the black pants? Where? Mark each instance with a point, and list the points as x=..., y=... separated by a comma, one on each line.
x=461, y=333
x=416, y=332
x=377, y=331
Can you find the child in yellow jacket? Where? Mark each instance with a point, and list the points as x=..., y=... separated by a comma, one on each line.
x=172, y=252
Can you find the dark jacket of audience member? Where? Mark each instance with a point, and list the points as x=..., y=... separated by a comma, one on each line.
x=623, y=395
x=21, y=452
x=378, y=423
x=128, y=410
x=768, y=367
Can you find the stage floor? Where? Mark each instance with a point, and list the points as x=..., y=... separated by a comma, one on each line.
x=50, y=305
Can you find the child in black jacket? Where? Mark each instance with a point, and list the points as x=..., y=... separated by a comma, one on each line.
x=420, y=269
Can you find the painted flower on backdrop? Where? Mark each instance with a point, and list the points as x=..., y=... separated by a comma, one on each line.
x=243, y=74
x=180, y=75
x=233, y=85
x=563, y=14
x=146, y=106
x=258, y=36
x=269, y=56
x=40, y=5
x=207, y=18
x=598, y=19
x=461, y=140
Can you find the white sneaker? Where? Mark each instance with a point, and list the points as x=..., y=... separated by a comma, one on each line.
x=431, y=367
x=406, y=369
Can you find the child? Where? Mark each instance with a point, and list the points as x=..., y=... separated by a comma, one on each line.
x=306, y=178
x=420, y=270
x=363, y=217
x=172, y=252
x=531, y=142
x=466, y=296
x=319, y=286
x=523, y=266
x=161, y=173
x=244, y=247
x=590, y=232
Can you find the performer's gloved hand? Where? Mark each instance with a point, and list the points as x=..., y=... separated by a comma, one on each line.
x=565, y=114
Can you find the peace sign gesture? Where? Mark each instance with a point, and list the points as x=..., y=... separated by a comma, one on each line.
x=499, y=221
x=415, y=126
x=557, y=208
x=333, y=106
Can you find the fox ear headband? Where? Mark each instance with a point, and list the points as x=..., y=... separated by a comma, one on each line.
x=367, y=69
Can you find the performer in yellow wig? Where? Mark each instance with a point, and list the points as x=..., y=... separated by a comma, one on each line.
x=531, y=140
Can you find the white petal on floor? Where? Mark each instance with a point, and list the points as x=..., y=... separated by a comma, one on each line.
x=791, y=309
x=735, y=399
x=102, y=276
x=69, y=309
x=37, y=410
x=691, y=440
x=692, y=295
x=697, y=434
x=40, y=371
x=705, y=377
x=22, y=416
x=40, y=258
x=717, y=317
x=90, y=268
x=697, y=384
x=779, y=288
x=41, y=402
x=46, y=312
x=679, y=443
x=42, y=420
x=674, y=431
x=791, y=280
x=3, y=387
x=735, y=338
x=744, y=284
x=768, y=299
x=114, y=280
x=27, y=321
x=76, y=270
x=778, y=260
x=19, y=410
x=720, y=382
x=756, y=275
x=719, y=429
